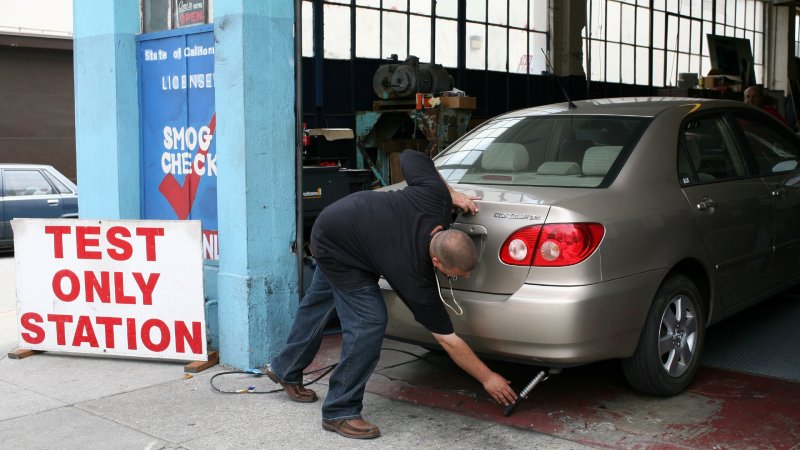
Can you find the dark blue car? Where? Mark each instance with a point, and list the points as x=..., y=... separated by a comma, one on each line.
x=33, y=190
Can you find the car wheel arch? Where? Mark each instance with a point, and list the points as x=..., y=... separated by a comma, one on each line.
x=697, y=273
x=664, y=370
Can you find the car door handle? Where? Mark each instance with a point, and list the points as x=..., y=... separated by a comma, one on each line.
x=779, y=192
x=706, y=203
x=52, y=201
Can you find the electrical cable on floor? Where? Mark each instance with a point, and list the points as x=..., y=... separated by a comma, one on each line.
x=325, y=370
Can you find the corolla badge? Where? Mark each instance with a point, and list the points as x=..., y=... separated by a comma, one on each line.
x=503, y=215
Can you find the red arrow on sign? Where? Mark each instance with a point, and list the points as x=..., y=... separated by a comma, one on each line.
x=181, y=197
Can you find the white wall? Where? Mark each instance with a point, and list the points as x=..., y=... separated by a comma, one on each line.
x=36, y=17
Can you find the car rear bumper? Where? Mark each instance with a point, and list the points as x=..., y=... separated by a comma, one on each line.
x=549, y=325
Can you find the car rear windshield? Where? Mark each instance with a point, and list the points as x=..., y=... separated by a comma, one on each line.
x=568, y=151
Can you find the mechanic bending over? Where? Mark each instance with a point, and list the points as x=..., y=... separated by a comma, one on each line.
x=400, y=235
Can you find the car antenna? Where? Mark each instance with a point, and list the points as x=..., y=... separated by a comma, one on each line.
x=553, y=72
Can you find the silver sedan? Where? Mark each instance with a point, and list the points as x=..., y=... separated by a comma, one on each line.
x=620, y=228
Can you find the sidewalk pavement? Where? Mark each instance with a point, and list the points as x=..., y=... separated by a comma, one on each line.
x=60, y=401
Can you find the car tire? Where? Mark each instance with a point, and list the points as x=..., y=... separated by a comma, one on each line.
x=668, y=355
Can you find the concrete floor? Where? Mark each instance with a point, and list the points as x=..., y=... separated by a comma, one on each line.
x=592, y=406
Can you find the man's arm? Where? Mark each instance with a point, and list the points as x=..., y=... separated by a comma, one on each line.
x=494, y=384
x=461, y=200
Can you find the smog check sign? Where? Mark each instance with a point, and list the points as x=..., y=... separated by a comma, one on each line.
x=126, y=288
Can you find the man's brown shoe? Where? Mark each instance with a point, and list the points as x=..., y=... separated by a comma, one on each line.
x=352, y=428
x=296, y=392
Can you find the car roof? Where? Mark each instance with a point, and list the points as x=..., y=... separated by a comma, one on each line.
x=623, y=106
x=21, y=165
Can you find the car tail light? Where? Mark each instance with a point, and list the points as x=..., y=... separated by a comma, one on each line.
x=557, y=244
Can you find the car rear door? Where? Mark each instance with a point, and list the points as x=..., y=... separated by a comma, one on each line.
x=776, y=152
x=732, y=206
x=29, y=194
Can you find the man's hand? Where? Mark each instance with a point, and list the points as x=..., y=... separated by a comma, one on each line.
x=463, y=201
x=496, y=386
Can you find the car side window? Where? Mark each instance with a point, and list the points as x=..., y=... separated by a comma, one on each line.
x=60, y=187
x=708, y=152
x=17, y=183
x=772, y=149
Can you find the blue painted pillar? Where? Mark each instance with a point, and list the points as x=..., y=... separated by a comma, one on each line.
x=107, y=108
x=255, y=97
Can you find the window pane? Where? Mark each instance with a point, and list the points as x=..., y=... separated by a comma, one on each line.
x=659, y=24
x=658, y=68
x=597, y=20
x=308, y=29
x=420, y=44
x=518, y=13
x=368, y=44
x=395, y=5
x=394, y=34
x=672, y=32
x=708, y=10
x=694, y=65
x=741, y=13
x=671, y=68
x=697, y=8
x=498, y=48
x=337, y=32
x=672, y=6
x=612, y=64
x=476, y=46
x=696, y=41
x=705, y=65
x=684, y=34
x=446, y=44
x=420, y=7
x=642, y=26
x=538, y=42
x=613, y=25
x=373, y=3
x=628, y=18
x=25, y=183
x=498, y=13
x=539, y=15
x=628, y=74
x=683, y=67
x=642, y=66
x=446, y=8
x=517, y=51
x=61, y=188
x=155, y=16
x=730, y=12
x=598, y=61
x=476, y=10
x=758, y=48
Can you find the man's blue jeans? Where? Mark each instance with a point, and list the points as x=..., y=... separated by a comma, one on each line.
x=362, y=314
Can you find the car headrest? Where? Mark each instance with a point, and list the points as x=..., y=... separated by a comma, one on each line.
x=598, y=160
x=559, y=168
x=506, y=157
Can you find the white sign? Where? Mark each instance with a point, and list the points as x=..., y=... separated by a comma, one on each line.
x=111, y=287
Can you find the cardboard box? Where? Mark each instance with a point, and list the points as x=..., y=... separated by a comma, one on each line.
x=459, y=102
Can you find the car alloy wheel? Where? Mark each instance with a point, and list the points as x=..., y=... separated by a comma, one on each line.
x=668, y=354
x=677, y=339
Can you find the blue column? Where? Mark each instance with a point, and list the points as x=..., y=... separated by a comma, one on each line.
x=107, y=108
x=254, y=81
